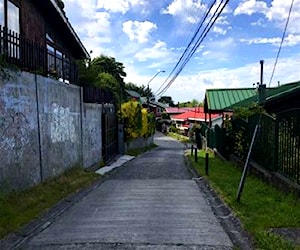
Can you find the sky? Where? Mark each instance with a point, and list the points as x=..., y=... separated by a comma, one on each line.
x=149, y=36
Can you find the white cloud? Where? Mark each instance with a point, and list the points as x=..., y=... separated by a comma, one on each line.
x=250, y=7
x=138, y=31
x=260, y=22
x=92, y=26
x=219, y=30
x=207, y=52
x=187, y=10
x=158, y=51
x=290, y=40
x=279, y=12
x=222, y=20
x=119, y=6
x=188, y=87
x=276, y=13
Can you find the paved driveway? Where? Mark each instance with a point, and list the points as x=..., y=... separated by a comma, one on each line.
x=149, y=203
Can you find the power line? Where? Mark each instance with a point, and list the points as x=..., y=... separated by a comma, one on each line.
x=199, y=41
x=189, y=45
x=208, y=27
x=282, y=40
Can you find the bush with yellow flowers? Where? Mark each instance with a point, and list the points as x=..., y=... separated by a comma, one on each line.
x=137, y=121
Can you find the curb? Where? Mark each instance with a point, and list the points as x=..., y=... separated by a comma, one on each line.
x=231, y=224
x=32, y=228
x=14, y=240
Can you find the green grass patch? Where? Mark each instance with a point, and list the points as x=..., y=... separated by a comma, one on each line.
x=138, y=151
x=179, y=137
x=19, y=208
x=261, y=207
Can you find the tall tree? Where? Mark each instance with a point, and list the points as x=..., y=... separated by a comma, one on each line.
x=103, y=71
x=111, y=66
x=167, y=100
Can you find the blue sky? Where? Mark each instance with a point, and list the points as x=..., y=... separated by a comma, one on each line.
x=150, y=35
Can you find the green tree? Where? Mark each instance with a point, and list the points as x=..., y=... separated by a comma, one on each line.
x=103, y=72
x=109, y=65
x=107, y=81
x=193, y=103
x=167, y=100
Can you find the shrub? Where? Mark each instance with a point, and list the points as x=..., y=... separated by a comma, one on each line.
x=173, y=129
x=137, y=121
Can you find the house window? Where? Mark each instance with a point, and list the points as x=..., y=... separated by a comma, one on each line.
x=2, y=12
x=10, y=18
x=58, y=62
x=13, y=17
x=10, y=15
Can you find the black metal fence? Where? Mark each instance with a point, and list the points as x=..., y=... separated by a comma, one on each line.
x=277, y=146
x=109, y=133
x=288, y=144
x=97, y=95
x=28, y=56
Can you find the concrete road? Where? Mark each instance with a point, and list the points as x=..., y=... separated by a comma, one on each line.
x=151, y=202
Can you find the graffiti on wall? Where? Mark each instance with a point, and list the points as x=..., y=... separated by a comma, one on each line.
x=14, y=131
x=62, y=127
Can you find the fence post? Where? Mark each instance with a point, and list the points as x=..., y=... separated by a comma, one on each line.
x=192, y=148
x=206, y=163
x=196, y=155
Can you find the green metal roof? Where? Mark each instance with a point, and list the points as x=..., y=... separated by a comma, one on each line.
x=133, y=93
x=220, y=99
x=272, y=94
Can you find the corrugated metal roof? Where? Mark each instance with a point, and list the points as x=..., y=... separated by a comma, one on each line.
x=133, y=93
x=192, y=115
x=220, y=99
x=271, y=94
x=172, y=110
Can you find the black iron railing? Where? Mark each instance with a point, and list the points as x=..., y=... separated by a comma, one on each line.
x=28, y=56
x=97, y=95
x=277, y=145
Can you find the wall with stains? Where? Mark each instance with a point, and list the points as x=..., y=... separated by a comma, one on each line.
x=92, y=134
x=19, y=143
x=60, y=126
x=45, y=128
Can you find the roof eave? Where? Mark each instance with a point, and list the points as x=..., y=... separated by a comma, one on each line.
x=67, y=23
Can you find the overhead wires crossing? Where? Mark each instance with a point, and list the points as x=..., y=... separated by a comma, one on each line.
x=193, y=44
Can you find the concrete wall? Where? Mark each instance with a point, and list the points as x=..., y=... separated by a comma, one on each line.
x=45, y=128
x=92, y=134
x=60, y=125
x=19, y=143
x=139, y=142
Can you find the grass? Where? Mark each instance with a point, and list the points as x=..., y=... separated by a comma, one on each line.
x=138, y=151
x=19, y=208
x=261, y=207
x=179, y=137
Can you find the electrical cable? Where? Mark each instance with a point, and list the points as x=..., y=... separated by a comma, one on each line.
x=282, y=40
x=198, y=43
x=189, y=45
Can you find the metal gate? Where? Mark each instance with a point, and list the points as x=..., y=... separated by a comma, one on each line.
x=109, y=133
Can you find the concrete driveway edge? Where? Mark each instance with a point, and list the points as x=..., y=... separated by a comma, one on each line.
x=15, y=239
x=231, y=224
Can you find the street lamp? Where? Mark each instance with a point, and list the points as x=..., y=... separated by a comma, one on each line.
x=161, y=71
